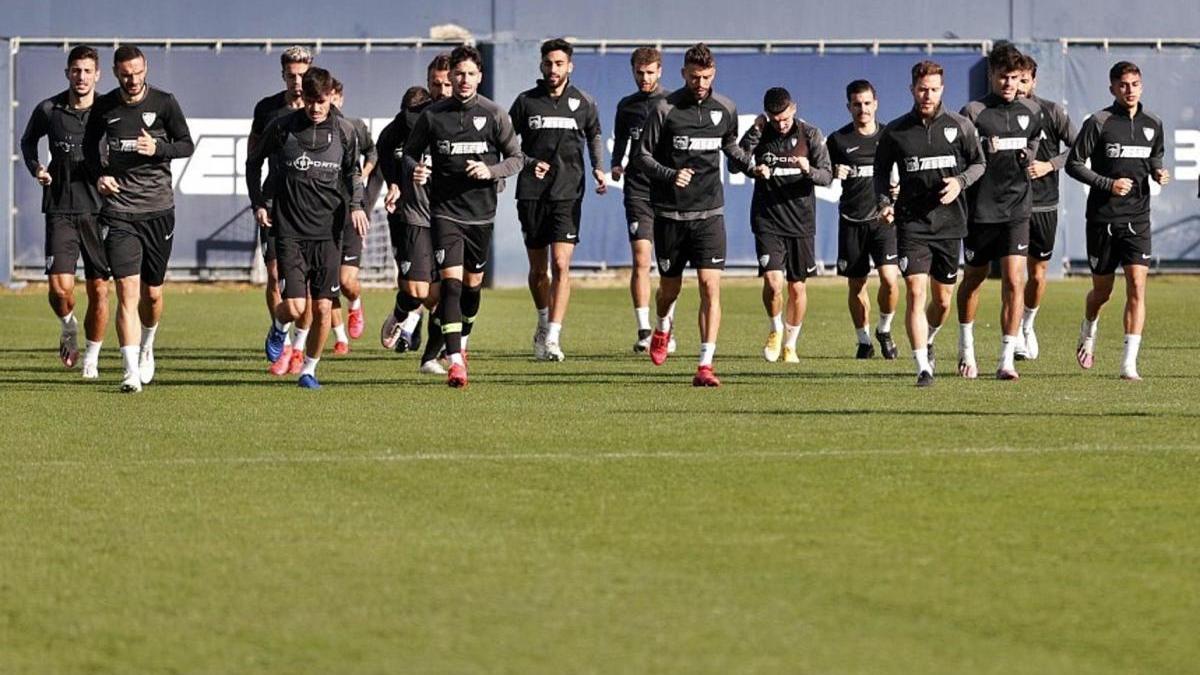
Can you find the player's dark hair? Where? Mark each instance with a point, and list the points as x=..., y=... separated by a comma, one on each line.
x=466, y=53
x=699, y=55
x=858, y=87
x=338, y=87
x=925, y=69
x=1005, y=58
x=776, y=100
x=317, y=82
x=644, y=56
x=413, y=97
x=1029, y=63
x=1122, y=68
x=80, y=52
x=295, y=54
x=439, y=62
x=127, y=53
x=558, y=45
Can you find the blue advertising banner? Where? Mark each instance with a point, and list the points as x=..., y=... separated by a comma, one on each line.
x=1170, y=80
x=816, y=81
x=217, y=90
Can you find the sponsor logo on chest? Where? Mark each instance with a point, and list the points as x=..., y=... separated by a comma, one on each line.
x=699, y=143
x=445, y=147
x=1119, y=151
x=538, y=122
x=914, y=164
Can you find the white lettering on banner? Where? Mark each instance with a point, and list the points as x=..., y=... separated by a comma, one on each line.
x=1187, y=149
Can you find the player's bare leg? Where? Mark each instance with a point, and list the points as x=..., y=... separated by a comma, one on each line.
x=62, y=300
x=797, y=308
x=1012, y=290
x=968, y=307
x=1102, y=286
x=560, y=296
x=539, y=290
x=888, y=298
x=1135, y=318
x=772, y=299
x=150, y=309
x=710, y=326
x=639, y=290
x=1035, y=290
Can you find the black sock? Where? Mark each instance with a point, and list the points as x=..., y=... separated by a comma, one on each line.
x=471, y=297
x=452, y=317
x=434, y=342
x=405, y=303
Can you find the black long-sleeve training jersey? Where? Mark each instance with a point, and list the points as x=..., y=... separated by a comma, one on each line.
x=1058, y=133
x=70, y=189
x=454, y=132
x=414, y=199
x=786, y=203
x=366, y=144
x=555, y=131
x=849, y=148
x=627, y=133
x=320, y=175
x=267, y=110
x=927, y=152
x=683, y=133
x=1009, y=132
x=1119, y=147
x=145, y=182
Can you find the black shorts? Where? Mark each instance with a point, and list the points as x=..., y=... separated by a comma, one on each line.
x=1113, y=244
x=459, y=244
x=986, y=242
x=639, y=216
x=139, y=246
x=549, y=221
x=266, y=243
x=67, y=236
x=935, y=257
x=412, y=247
x=793, y=255
x=1043, y=229
x=308, y=266
x=352, y=246
x=860, y=243
x=700, y=243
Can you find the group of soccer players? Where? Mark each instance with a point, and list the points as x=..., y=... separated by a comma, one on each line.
x=917, y=194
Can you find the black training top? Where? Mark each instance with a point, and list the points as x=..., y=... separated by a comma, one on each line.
x=1119, y=147
x=1009, y=132
x=70, y=189
x=627, y=129
x=555, y=131
x=1058, y=133
x=857, y=151
x=785, y=204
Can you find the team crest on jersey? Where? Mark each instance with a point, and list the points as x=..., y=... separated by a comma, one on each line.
x=1149, y=133
x=970, y=255
x=573, y=103
x=904, y=264
x=764, y=260
x=1023, y=120
x=951, y=133
x=479, y=121
x=664, y=264
x=148, y=118
x=405, y=266
x=715, y=116
x=439, y=255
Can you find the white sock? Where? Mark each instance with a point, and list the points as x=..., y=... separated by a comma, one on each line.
x=410, y=322
x=553, y=331
x=671, y=311
x=933, y=331
x=92, y=353
x=356, y=303
x=922, y=358
x=864, y=337
x=310, y=366
x=966, y=336
x=463, y=342
x=1087, y=329
x=131, y=356
x=148, y=336
x=339, y=332
x=1008, y=347
x=456, y=357
x=68, y=322
x=707, y=350
x=285, y=327
x=1027, y=319
x=1132, y=344
x=642, y=314
x=299, y=338
x=792, y=333
x=885, y=322
x=777, y=323
x=664, y=323
x=543, y=318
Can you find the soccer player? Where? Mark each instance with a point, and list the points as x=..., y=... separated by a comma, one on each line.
x=1058, y=133
x=352, y=242
x=680, y=151
x=70, y=202
x=294, y=62
x=632, y=111
x=789, y=161
x=1009, y=128
x=555, y=121
x=473, y=145
x=862, y=239
x=316, y=151
x=1124, y=144
x=143, y=129
x=939, y=157
x=409, y=226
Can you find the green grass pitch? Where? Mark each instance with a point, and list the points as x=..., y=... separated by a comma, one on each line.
x=600, y=515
